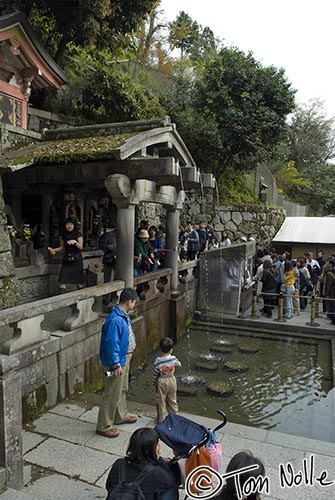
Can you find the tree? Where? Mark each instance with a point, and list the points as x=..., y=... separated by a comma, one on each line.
x=232, y=111
x=83, y=22
x=183, y=32
x=289, y=181
x=310, y=146
x=311, y=136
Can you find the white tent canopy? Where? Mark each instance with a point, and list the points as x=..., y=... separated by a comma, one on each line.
x=317, y=230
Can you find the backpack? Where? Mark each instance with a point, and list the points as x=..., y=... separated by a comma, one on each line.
x=129, y=490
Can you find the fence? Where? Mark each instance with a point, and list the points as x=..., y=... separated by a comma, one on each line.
x=313, y=314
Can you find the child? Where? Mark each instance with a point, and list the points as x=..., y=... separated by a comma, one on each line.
x=164, y=379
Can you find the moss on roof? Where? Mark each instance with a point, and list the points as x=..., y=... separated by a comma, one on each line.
x=64, y=151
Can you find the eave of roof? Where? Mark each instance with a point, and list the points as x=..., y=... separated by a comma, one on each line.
x=19, y=19
x=63, y=151
x=97, y=142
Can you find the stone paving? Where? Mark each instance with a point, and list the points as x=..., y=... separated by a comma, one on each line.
x=64, y=458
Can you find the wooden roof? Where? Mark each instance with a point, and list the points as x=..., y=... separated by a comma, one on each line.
x=21, y=51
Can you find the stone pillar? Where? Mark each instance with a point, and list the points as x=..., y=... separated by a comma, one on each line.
x=11, y=421
x=171, y=243
x=125, y=224
x=118, y=185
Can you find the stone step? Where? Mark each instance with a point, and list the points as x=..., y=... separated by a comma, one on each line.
x=11, y=494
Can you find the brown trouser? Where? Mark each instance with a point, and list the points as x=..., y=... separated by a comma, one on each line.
x=166, y=397
x=113, y=406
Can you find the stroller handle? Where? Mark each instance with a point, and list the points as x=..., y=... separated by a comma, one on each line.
x=224, y=420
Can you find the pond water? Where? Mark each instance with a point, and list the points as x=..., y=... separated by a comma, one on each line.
x=287, y=385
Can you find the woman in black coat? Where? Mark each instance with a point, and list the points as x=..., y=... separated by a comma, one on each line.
x=144, y=451
x=269, y=286
x=72, y=270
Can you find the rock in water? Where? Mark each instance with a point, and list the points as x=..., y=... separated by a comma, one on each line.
x=220, y=348
x=220, y=388
x=236, y=367
x=248, y=348
x=205, y=365
x=209, y=357
x=191, y=379
x=187, y=390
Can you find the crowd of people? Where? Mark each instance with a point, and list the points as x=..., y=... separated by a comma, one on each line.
x=295, y=279
x=149, y=248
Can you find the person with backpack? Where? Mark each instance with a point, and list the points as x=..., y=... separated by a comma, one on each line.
x=304, y=282
x=142, y=474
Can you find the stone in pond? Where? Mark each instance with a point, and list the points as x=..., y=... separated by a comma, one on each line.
x=187, y=390
x=209, y=357
x=220, y=348
x=248, y=348
x=205, y=365
x=224, y=342
x=236, y=367
x=220, y=388
x=191, y=379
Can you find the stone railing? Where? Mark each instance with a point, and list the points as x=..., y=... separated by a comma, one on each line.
x=26, y=320
x=152, y=283
x=54, y=360
x=188, y=271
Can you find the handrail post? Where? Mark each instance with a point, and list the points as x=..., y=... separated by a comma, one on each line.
x=312, y=317
x=281, y=318
x=254, y=304
x=317, y=306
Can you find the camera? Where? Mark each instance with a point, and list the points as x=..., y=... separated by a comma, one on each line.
x=110, y=373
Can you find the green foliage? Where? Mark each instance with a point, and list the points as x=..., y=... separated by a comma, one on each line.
x=231, y=110
x=309, y=146
x=83, y=22
x=100, y=92
x=289, y=181
x=232, y=189
x=311, y=136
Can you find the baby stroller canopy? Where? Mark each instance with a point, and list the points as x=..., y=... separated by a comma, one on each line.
x=182, y=434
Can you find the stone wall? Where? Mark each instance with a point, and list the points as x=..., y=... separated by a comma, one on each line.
x=258, y=221
x=39, y=119
x=8, y=283
x=262, y=222
x=15, y=136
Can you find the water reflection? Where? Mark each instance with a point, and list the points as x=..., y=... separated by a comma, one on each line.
x=288, y=386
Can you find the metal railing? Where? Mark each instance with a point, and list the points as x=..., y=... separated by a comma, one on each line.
x=314, y=312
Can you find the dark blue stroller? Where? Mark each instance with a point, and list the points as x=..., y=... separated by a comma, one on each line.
x=194, y=442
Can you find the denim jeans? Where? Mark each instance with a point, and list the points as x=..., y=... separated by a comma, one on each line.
x=288, y=302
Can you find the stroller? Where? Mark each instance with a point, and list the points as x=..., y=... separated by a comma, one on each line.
x=196, y=444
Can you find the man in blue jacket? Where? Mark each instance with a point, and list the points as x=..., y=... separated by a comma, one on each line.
x=117, y=345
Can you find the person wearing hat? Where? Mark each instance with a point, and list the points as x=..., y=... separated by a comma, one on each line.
x=143, y=253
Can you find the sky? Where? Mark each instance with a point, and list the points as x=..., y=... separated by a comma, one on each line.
x=297, y=35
